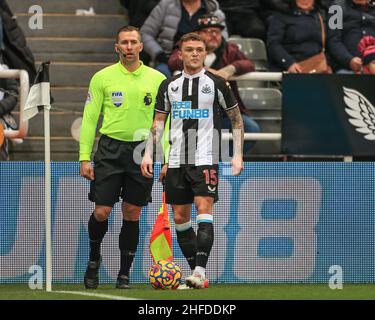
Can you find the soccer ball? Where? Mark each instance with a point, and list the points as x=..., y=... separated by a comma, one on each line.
x=165, y=275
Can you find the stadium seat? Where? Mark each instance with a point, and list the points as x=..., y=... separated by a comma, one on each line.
x=255, y=50
x=262, y=99
x=265, y=106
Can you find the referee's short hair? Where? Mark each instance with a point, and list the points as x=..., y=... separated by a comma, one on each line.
x=192, y=36
x=128, y=29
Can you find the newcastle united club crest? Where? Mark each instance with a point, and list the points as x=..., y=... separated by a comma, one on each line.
x=206, y=89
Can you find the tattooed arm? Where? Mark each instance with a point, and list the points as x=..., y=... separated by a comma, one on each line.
x=153, y=140
x=238, y=137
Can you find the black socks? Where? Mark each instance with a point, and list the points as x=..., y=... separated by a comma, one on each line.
x=187, y=241
x=128, y=242
x=97, y=231
x=205, y=240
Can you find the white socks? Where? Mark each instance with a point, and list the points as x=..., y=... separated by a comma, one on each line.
x=201, y=271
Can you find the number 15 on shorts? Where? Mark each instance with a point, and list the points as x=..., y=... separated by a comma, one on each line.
x=211, y=179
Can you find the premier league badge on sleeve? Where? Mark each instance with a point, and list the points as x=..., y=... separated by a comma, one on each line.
x=117, y=98
x=147, y=99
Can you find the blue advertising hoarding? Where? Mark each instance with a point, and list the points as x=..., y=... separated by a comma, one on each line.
x=277, y=222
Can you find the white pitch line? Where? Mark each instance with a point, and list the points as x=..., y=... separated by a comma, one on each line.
x=99, y=295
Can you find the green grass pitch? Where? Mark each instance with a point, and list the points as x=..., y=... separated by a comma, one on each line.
x=214, y=292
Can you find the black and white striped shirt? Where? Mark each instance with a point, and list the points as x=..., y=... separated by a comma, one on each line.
x=194, y=102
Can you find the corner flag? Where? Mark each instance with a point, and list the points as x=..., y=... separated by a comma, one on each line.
x=39, y=98
x=161, y=240
x=39, y=95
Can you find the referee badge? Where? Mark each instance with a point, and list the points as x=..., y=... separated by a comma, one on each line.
x=147, y=99
x=117, y=98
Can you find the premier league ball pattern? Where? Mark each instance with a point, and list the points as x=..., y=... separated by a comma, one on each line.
x=165, y=275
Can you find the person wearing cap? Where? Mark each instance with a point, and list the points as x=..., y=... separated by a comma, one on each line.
x=367, y=49
x=223, y=59
x=169, y=21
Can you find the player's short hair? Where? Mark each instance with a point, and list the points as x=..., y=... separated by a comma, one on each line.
x=192, y=36
x=128, y=29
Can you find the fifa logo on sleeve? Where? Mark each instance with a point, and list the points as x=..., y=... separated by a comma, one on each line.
x=183, y=110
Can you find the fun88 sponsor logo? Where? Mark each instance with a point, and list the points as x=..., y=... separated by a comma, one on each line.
x=183, y=110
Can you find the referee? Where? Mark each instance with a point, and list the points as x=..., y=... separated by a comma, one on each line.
x=195, y=101
x=125, y=94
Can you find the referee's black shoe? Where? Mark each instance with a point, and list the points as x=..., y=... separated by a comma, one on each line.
x=122, y=282
x=91, y=278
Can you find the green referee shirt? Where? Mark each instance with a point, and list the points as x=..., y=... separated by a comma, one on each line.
x=126, y=100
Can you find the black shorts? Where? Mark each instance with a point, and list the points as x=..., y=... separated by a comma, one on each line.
x=185, y=183
x=117, y=175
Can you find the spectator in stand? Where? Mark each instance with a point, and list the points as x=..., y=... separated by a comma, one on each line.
x=8, y=101
x=367, y=49
x=138, y=11
x=294, y=36
x=269, y=7
x=325, y=4
x=168, y=21
x=358, y=21
x=243, y=18
x=223, y=59
x=16, y=54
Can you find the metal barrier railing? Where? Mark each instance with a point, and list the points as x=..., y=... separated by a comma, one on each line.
x=259, y=76
x=24, y=91
x=255, y=136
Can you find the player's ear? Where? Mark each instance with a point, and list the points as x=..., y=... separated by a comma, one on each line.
x=116, y=48
x=179, y=53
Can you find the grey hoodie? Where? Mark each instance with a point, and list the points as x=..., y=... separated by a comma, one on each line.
x=160, y=27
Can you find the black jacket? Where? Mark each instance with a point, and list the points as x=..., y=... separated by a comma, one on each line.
x=239, y=5
x=17, y=54
x=285, y=6
x=357, y=23
x=293, y=37
x=138, y=10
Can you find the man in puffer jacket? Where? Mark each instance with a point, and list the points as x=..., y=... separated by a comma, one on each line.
x=171, y=19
